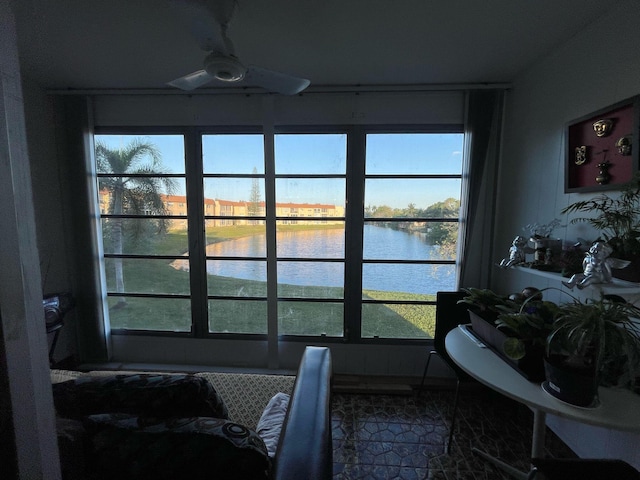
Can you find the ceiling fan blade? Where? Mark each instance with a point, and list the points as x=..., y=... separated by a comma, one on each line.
x=207, y=21
x=275, y=81
x=191, y=81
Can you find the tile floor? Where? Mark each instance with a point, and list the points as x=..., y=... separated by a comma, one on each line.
x=404, y=437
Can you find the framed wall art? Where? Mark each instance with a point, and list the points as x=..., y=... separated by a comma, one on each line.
x=602, y=148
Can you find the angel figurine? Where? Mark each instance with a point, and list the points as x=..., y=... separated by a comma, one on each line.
x=517, y=253
x=597, y=266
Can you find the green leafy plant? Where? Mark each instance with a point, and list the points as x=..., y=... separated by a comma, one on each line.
x=602, y=335
x=617, y=218
x=487, y=302
x=524, y=317
x=536, y=230
x=533, y=322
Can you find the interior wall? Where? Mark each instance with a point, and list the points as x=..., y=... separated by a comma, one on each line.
x=51, y=198
x=597, y=68
x=29, y=437
x=431, y=107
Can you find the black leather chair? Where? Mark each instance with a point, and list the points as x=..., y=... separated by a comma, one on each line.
x=449, y=314
x=581, y=469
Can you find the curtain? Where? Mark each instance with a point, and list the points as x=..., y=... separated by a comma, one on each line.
x=483, y=128
x=78, y=165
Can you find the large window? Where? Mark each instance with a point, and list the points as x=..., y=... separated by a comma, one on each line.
x=340, y=233
x=310, y=198
x=142, y=197
x=412, y=204
x=235, y=232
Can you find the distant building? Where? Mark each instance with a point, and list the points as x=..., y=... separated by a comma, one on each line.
x=214, y=209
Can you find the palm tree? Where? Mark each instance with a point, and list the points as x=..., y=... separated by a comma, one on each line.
x=134, y=188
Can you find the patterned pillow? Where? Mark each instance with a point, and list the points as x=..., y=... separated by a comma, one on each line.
x=128, y=447
x=154, y=395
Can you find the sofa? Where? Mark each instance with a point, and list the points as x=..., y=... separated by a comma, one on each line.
x=142, y=424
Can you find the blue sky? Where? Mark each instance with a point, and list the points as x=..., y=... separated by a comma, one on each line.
x=321, y=154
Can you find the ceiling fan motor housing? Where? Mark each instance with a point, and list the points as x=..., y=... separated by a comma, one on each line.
x=224, y=67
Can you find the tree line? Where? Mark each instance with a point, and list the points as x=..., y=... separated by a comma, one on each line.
x=440, y=233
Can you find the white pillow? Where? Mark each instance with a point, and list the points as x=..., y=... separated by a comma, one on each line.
x=270, y=423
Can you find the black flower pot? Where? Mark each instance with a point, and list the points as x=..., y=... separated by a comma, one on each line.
x=576, y=386
x=530, y=366
x=630, y=273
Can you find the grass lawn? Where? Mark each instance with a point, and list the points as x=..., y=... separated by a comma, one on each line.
x=249, y=316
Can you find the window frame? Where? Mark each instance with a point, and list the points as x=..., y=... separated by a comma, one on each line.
x=142, y=131
x=300, y=217
x=403, y=129
x=354, y=218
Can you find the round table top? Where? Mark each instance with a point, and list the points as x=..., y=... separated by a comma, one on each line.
x=618, y=409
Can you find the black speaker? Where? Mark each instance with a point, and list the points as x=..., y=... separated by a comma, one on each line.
x=56, y=305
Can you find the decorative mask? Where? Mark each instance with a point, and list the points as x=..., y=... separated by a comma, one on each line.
x=602, y=127
x=624, y=145
x=581, y=154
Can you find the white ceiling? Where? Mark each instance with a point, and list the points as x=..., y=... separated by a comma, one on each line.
x=141, y=44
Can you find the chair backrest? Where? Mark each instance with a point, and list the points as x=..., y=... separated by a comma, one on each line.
x=449, y=314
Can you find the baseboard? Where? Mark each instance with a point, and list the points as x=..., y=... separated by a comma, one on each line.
x=391, y=385
x=377, y=388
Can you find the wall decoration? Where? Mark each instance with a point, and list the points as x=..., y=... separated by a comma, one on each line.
x=603, y=127
x=581, y=154
x=603, y=173
x=624, y=144
x=602, y=148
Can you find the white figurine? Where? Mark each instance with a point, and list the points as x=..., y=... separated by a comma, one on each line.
x=597, y=267
x=517, y=253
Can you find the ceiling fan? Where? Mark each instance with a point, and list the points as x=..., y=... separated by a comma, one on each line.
x=208, y=21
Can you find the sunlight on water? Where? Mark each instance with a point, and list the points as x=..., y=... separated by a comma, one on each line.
x=379, y=244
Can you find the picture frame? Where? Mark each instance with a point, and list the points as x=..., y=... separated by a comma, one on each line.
x=601, y=148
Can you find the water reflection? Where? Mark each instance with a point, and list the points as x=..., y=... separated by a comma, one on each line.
x=311, y=244
x=379, y=244
x=253, y=246
x=245, y=269
x=382, y=243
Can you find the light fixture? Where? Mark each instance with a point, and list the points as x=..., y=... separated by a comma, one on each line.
x=226, y=68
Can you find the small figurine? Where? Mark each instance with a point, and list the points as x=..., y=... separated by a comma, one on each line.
x=597, y=267
x=603, y=173
x=517, y=253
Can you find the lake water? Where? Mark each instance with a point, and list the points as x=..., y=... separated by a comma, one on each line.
x=379, y=244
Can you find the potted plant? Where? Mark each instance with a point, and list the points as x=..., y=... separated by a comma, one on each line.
x=618, y=221
x=487, y=303
x=484, y=307
x=593, y=343
x=541, y=241
x=515, y=326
